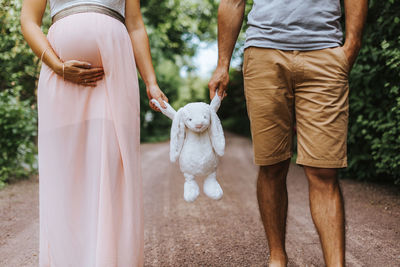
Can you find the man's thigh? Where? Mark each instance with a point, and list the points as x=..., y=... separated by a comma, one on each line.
x=321, y=106
x=269, y=99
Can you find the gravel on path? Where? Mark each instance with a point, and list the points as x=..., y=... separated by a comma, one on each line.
x=227, y=232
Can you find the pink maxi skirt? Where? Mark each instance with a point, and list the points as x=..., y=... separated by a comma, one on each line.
x=91, y=208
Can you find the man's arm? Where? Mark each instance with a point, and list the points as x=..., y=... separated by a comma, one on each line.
x=230, y=19
x=355, y=15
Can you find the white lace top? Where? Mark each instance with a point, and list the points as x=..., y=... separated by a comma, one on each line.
x=58, y=5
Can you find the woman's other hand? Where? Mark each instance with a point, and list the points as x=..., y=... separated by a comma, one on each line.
x=154, y=92
x=80, y=72
x=141, y=49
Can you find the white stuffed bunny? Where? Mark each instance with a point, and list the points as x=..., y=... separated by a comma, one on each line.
x=197, y=139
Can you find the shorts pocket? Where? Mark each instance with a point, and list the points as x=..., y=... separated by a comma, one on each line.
x=246, y=59
x=343, y=56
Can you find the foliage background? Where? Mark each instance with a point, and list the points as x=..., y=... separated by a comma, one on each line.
x=176, y=28
x=18, y=116
x=374, y=129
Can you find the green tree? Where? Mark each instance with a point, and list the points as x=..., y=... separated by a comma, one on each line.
x=17, y=132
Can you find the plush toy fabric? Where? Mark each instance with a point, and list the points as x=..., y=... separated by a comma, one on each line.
x=197, y=139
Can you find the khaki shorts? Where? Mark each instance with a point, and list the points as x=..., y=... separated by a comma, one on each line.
x=308, y=89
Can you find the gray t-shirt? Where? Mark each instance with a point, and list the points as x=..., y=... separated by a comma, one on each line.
x=294, y=24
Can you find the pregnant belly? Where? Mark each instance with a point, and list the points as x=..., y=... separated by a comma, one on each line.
x=80, y=37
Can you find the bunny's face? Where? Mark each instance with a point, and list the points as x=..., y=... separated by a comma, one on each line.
x=196, y=116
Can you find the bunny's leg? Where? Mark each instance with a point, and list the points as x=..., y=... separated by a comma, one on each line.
x=212, y=188
x=191, y=189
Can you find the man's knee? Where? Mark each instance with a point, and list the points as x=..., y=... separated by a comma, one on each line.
x=322, y=178
x=275, y=171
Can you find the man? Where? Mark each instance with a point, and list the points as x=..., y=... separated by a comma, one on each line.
x=295, y=69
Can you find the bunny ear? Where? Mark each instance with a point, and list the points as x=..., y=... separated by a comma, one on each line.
x=217, y=134
x=215, y=102
x=169, y=111
x=177, y=136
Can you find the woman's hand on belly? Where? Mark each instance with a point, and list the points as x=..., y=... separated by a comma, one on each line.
x=81, y=73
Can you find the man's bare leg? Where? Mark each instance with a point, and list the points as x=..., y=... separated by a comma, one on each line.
x=273, y=203
x=327, y=211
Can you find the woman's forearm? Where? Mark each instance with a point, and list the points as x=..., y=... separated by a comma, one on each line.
x=39, y=45
x=31, y=20
x=141, y=49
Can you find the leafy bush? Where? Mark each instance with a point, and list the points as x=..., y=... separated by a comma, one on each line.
x=19, y=66
x=18, y=118
x=17, y=132
x=374, y=129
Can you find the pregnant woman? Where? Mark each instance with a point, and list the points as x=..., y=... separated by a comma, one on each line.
x=91, y=208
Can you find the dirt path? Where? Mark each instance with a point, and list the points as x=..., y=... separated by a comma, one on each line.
x=226, y=232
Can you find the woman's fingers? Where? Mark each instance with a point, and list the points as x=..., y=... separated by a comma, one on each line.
x=87, y=73
x=93, y=70
x=91, y=81
x=153, y=107
x=79, y=64
x=154, y=92
x=73, y=70
x=161, y=101
x=164, y=98
x=93, y=76
x=82, y=73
